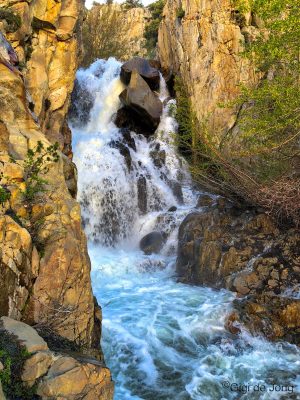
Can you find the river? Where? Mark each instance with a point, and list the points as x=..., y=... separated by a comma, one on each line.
x=162, y=340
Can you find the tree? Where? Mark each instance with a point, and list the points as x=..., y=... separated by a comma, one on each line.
x=103, y=34
x=151, y=30
x=271, y=123
x=132, y=4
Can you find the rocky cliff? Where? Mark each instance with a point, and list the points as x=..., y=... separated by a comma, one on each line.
x=202, y=40
x=113, y=30
x=224, y=245
x=46, y=38
x=44, y=264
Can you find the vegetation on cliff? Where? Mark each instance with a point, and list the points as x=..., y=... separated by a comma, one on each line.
x=100, y=34
x=263, y=167
x=151, y=31
x=114, y=30
x=13, y=357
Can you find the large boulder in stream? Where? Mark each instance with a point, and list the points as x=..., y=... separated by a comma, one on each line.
x=152, y=243
x=145, y=105
x=144, y=69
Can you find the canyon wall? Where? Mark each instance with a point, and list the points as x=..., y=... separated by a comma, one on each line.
x=44, y=264
x=225, y=245
x=48, y=43
x=201, y=40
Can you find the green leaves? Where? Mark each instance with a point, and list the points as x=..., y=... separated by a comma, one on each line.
x=151, y=30
x=270, y=116
x=36, y=163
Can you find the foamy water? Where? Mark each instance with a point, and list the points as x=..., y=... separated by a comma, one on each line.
x=161, y=339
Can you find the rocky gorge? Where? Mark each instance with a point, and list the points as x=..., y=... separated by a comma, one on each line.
x=162, y=249
x=45, y=267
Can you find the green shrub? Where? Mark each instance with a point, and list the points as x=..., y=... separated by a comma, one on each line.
x=180, y=13
x=151, y=30
x=13, y=20
x=128, y=4
x=103, y=35
x=4, y=195
x=13, y=356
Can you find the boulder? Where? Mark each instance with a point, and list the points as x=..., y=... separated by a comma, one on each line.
x=276, y=317
x=152, y=243
x=145, y=104
x=24, y=334
x=126, y=119
x=149, y=71
x=68, y=375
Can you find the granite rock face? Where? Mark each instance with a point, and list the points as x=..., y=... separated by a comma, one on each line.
x=140, y=99
x=201, y=41
x=242, y=250
x=40, y=286
x=48, y=43
x=44, y=264
x=144, y=69
x=57, y=375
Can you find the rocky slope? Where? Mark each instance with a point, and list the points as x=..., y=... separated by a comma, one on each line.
x=48, y=374
x=225, y=246
x=112, y=30
x=202, y=42
x=44, y=265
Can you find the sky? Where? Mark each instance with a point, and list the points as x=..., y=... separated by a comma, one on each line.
x=89, y=3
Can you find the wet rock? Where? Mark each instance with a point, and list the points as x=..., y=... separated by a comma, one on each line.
x=127, y=119
x=128, y=139
x=152, y=243
x=276, y=317
x=204, y=201
x=177, y=190
x=144, y=104
x=142, y=194
x=172, y=209
x=147, y=70
x=246, y=253
x=124, y=151
x=70, y=174
x=81, y=104
x=155, y=64
x=158, y=156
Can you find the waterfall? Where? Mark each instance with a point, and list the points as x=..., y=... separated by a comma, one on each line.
x=161, y=339
x=126, y=182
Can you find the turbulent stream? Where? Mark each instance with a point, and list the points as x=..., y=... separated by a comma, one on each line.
x=161, y=339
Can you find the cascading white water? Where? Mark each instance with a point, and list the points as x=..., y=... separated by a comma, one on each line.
x=109, y=192
x=162, y=340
